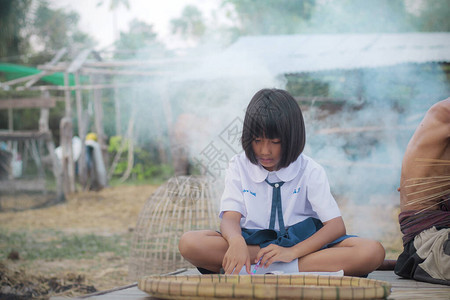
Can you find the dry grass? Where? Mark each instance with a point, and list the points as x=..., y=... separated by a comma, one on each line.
x=112, y=211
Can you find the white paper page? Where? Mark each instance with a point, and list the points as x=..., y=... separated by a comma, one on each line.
x=278, y=268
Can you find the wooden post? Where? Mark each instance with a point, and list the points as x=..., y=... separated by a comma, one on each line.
x=10, y=125
x=130, y=138
x=117, y=110
x=159, y=138
x=66, y=135
x=24, y=154
x=66, y=143
x=10, y=120
x=56, y=165
x=81, y=132
x=98, y=110
x=178, y=165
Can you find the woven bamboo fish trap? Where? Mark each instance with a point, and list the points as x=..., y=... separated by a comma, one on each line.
x=182, y=204
x=264, y=287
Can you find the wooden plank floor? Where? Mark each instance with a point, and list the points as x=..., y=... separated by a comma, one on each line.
x=401, y=289
x=410, y=289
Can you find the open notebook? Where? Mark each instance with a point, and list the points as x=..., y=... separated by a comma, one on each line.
x=286, y=268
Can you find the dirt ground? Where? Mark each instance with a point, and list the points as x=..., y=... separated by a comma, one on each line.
x=110, y=211
x=115, y=210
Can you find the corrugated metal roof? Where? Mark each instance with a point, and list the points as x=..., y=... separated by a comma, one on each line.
x=284, y=54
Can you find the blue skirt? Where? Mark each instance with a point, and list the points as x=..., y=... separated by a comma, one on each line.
x=294, y=234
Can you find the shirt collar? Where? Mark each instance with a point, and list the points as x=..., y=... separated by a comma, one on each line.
x=258, y=174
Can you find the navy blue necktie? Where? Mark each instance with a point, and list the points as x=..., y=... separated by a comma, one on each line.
x=276, y=206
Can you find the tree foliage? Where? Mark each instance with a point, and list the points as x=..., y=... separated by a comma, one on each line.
x=190, y=24
x=269, y=16
x=56, y=28
x=433, y=16
x=343, y=16
x=369, y=16
x=50, y=30
x=139, y=37
x=13, y=24
x=31, y=32
x=114, y=4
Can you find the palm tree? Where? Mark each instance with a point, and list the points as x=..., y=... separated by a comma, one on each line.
x=113, y=6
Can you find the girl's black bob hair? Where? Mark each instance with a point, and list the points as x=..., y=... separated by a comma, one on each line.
x=274, y=114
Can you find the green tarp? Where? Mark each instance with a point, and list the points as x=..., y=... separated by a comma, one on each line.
x=13, y=71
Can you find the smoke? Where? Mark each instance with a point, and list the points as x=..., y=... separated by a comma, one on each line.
x=200, y=107
x=195, y=107
x=211, y=101
x=361, y=144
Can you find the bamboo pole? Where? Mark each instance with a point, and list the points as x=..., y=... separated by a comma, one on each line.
x=82, y=87
x=130, y=138
x=10, y=120
x=81, y=133
x=27, y=103
x=55, y=60
x=117, y=110
x=125, y=72
x=337, y=130
x=62, y=66
x=140, y=63
x=344, y=163
x=66, y=135
x=21, y=79
x=167, y=109
x=66, y=144
x=98, y=110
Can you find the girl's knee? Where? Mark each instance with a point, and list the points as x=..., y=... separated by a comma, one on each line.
x=187, y=242
x=374, y=253
x=379, y=252
x=368, y=252
x=193, y=241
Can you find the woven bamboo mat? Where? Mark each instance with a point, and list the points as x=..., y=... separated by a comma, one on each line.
x=264, y=287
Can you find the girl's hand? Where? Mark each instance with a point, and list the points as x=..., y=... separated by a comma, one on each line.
x=273, y=253
x=236, y=256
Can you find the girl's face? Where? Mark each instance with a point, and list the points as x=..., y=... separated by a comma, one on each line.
x=267, y=152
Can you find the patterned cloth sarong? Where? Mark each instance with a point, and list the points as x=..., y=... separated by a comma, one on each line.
x=413, y=223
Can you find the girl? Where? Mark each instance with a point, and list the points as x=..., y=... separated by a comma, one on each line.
x=277, y=205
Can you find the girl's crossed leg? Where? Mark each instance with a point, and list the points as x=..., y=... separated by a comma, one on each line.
x=356, y=256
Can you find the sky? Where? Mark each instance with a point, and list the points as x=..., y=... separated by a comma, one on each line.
x=98, y=20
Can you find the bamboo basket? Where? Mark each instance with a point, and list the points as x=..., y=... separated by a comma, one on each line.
x=182, y=204
x=264, y=287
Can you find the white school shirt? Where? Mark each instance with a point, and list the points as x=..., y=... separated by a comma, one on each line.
x=305, y=192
